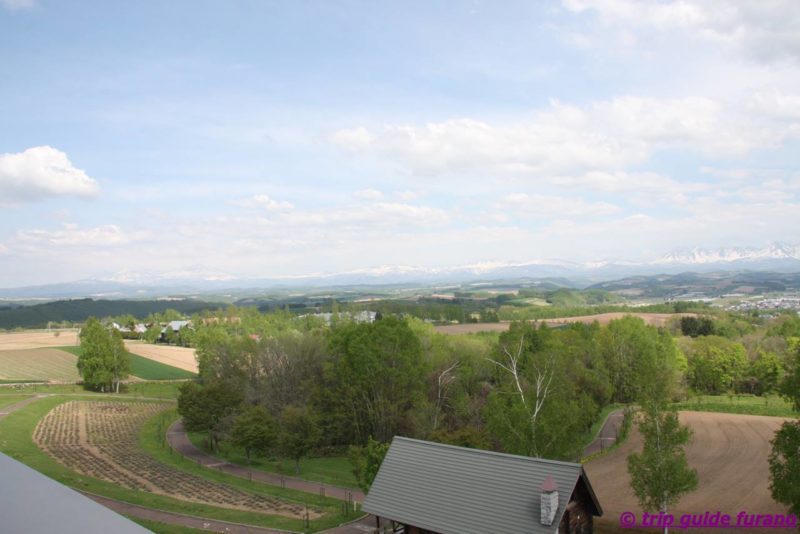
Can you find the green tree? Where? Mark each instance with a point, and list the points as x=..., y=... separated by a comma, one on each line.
x=366, y=461
x=790, y=387
x=374, y=382
x=716, y=364
x=765, y=373
x=103, y=362
x=784, y=466
x=536, y=408
x=254, y=430
x=205, y=408
x=660, y=474
x=299, y=434
x=784, y=460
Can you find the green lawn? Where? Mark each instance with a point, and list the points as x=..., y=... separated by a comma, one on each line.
x=744, y=404
x=16, y=430
x=164, y=528
x=8, y=399
x=333, y=470
x=145, y=368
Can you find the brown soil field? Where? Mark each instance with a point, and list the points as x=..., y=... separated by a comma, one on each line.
x=37, y=340
x=38, y=364
x=180, y=357
x=730, y=454
x=100, y=439
x=655, y=319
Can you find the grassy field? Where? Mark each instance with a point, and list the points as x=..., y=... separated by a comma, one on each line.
x=773, y=406
x=156, y=390
x=45, y=364
x=16, y=430
x=333, y=470
x=164, y=528
x=7, y=400
x=145, y=368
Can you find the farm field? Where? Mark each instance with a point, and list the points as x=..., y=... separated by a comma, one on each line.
x=37, y=340
x=655, y=319
x=730, y=454
x=100, y=439
x=7, y=400
x=145, y=368
x=180, y=357
x=44, y=364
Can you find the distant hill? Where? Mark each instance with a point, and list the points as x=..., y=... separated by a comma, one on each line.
x=691, y=285
x=38, y=315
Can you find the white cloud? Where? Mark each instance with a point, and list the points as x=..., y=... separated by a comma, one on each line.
x=369, y=194
x=765, y=30
x=41, y=172
x=14, y=5
x=555, y=206
x=71, y=235
x=263, y=202
x=603, y=136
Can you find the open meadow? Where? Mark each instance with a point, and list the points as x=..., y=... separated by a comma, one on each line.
x=730, y=454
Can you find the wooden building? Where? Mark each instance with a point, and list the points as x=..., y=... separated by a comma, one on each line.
x=430, y=488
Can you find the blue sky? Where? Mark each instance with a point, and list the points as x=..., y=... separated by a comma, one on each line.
x=284, y=138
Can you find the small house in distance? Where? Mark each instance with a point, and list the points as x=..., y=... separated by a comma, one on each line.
x=431, y=488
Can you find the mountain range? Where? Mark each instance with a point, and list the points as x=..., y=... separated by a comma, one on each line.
x=776, y=257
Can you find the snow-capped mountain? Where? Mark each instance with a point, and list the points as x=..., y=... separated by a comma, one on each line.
x=776, y=257
x=698, y=256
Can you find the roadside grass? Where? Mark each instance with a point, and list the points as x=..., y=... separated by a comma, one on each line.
x=772, y=405
x=16, y=432
x=153, y=441
x=145, y=368
x=164, y=528
x=6, y=400
x=332, y=470
x=152, y=390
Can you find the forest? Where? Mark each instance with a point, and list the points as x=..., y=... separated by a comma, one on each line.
x=277, y=384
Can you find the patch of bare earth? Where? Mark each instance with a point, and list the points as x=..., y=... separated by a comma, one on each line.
x=36, y=340
x=180, y=357
x=730, y=454
x=100, y=439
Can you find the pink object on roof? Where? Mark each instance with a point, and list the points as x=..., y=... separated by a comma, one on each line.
x=549, y=485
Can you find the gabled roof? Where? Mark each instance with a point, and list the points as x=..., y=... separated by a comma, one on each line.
x=32, y=502
x=456, y=490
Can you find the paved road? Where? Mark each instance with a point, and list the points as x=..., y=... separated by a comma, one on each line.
x=607, y=435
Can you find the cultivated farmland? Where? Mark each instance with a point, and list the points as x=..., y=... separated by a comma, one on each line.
x=655, y=319
x=180, y=357
x=36, y=340
x=100, y=439
x=38, y=364
x=730, y=454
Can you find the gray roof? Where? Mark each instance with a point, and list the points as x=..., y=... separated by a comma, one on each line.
x=455, y=490
x=32, y=503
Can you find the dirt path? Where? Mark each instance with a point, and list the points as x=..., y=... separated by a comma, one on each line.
x=19, y=405
x=179, y=440
x=730, y=454
x=607, y=435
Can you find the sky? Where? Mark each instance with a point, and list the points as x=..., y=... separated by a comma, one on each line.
x=270, y=139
